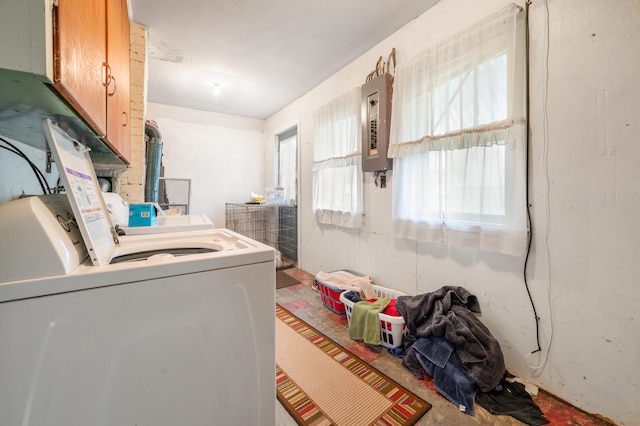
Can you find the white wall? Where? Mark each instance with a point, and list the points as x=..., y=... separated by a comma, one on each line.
x=222, y=155
x=584, y=173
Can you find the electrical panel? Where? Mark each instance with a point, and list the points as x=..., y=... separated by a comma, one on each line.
x=376, y=116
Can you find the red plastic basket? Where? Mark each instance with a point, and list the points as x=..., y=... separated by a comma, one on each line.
x=330, y=296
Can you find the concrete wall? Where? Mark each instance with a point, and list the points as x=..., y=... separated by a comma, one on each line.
x=222, y=155
x=584, y=161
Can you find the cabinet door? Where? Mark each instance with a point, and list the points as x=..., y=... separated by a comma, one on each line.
x=80, y=55
x=118, y=91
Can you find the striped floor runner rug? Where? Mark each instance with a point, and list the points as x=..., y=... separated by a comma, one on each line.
x=321, y=383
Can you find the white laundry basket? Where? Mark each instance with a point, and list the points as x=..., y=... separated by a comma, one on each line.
x=391, y=327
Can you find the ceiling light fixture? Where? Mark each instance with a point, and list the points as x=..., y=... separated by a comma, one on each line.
x=216, y=89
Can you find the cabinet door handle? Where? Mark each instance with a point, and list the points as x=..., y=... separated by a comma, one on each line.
x=106, y=74
x=125, y=119
x=115, y=86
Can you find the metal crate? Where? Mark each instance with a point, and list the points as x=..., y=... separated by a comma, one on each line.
x=272, y=224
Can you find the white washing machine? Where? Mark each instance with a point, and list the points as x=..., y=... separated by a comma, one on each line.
x=162, y=329
x=119, y=213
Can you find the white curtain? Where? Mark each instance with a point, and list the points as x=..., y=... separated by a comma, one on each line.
x=337, y=162
x=458, y=139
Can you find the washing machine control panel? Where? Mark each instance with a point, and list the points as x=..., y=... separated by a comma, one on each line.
x=45, y=238
x=58, y=206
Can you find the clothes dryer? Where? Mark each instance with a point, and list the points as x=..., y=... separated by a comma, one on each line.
x=119, y=212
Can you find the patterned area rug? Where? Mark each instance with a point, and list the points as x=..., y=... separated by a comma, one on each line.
x=321, y=383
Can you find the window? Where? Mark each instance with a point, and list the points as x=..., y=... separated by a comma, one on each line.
x=458, y=139
x=337, y=162
x=287, y=164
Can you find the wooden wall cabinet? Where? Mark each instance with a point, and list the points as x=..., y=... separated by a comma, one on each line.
x=91, y=66
x=118, y=93
x=80, y=49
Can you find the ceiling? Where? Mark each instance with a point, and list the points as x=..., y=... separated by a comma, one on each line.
x=263, y=54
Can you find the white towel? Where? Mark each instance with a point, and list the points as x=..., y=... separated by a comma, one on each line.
x=347, y=281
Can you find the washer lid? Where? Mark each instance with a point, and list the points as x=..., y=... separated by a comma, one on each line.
x=81, y=184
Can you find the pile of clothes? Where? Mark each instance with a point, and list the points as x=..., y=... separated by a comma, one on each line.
x=446, y=339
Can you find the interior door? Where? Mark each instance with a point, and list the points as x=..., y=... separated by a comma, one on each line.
x=288, y=164
x=287, y=215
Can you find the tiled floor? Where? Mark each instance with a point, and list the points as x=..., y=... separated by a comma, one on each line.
x=305, y=303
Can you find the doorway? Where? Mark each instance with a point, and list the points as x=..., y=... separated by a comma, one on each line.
x=287, y=181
